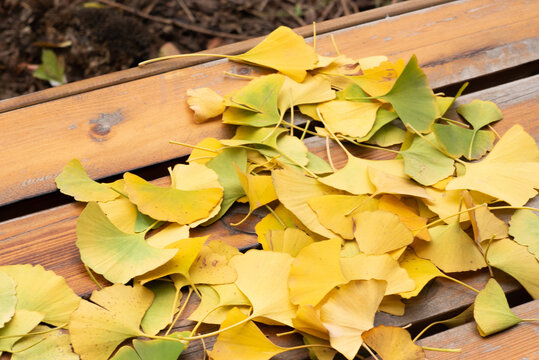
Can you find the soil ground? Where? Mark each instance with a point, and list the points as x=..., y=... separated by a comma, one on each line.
x=95, y=38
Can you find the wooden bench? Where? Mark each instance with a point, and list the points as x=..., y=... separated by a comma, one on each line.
x=123, y=121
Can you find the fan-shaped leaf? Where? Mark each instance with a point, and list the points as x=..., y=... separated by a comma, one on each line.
x=525, y=229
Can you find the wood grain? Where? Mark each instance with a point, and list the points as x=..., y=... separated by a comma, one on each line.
x=126, y=126
x=123, y=76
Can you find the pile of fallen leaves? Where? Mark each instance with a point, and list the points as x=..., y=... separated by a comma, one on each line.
x=337, y=245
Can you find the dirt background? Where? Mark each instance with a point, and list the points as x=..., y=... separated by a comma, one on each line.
x=95, y=38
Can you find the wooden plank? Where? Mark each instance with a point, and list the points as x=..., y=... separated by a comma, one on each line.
x=48, y=237
x=458, y=41
x=519, y=342
x=231, y=49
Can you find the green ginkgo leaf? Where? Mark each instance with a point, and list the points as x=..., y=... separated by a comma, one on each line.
x=480, y=113
x=74, y=181
x=8, y=298
x=116, y=255
x=162, y=310
x=170, y=204
x=459, y=141
x=153, y=349
x=445, y=102
x=256, y=104
x=113, y=315
x=525, y=229
x=419, y=110
x=426, y=164
x=42, y=291
x=383, y=117
x=491, y=310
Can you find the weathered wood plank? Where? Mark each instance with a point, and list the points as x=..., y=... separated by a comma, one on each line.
x=457, y=41
x=123, y=76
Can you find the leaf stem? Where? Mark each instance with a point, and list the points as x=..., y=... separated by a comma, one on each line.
x=180, y=311
x=92, y=276
x=409, y=126
x=244, y=77
x=304, y=129
x=286, y=333
x=441, y=350
x=162, y=58
x=276, y=216
x=460, y=282
x=35, y=333
x=333, y=134
x=370, y=351
x=193, y=146
x=335, y=45
x=213, y=333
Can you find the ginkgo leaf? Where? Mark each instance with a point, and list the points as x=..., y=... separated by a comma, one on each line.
x=284, y=51
x=258, y=188
x=42, y=291
x=74, y=181
x=255, y=104
x=489, y=226
x=387, y=136
x=510, y=172
x=458, y=141
x=195, y=177
x=122, y=213
x=491, y=310
x=332, y=211
x=278, y=221
x=262, y=278
x=393, y=343
x=524, y=227
x=169, y=204
x=445, y=102
x=408, y=217
x=21, y=323
x=163, y=307
x=479, y=113
x=517, y=261
x=393, y=305
x=290, y=241
x=392, y=184
x=308, y=321
x=294, y=189
x=245, y=339
x=206, y=103
x=383, y=118
x=224, y=165
x=379, y=267
x=419, y=110
x=445, y=203
x=324, y=352
x=375, y=239
x=50, y=346
x=426, y=164
x=113, y=315
x=349, y=118
x=217, y=300
x=161, y=349
x=380, y=79
x=313, y=90
x=419, y=270
x=205, y=150
x=354, y=177
x=211, y=265
x=116, y=255
x=451, y=249
x=185, y=252
x=349, y=311
x=168, y=235
x=8, y=298
x=315, y=271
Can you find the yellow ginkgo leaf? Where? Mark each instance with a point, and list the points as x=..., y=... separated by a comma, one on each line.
x=392, y=304
x=206, y=103
x=278, y=221
x=211, y=265
x=354, y=177
x=517, y=261
x=349, y=311
x=491, y=310
x=324, y=352
x=74, y=181
x=386, y=183
x=408, y=217
x=419, y=270
x=313, y=90
x=245, y=339
x=451, y=249
x=195, y=177
x=8, y=298
x=510, y=172
x=307, y=320
x=290, y=240
x=113, y=316
x=216, y=301
x=489, y=226
x=349, y=118
x=42, y=291
x=393, y=343
x=262, y=278
x=378, y=80
x=185, y=253
x=167, y=235
x=170, y=204
x=205, y=150
x=21, y=323
x=294, y=189
x=334, y=211
x=284, y=51
x=445, y=203
x=116, y=255
x=315, y=271
x=379, y=267
x=52, y=345
x=375, y=239
x=259, y=189
x=122, y=213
